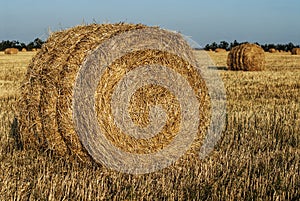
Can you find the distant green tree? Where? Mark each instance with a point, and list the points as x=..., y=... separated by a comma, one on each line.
x=214, y=46
x=23, y=45
x=30, y=46
x=6, y=44
x=37, y=43
x=280, y=47
x=224, y=45
x=233, y=44
x=289, y=46
x=207, y=47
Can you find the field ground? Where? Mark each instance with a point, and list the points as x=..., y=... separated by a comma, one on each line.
x=257, y=157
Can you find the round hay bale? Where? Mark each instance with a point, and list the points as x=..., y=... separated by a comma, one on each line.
x=272, y=50
x=247, y=57
x=220, y=50
x=49, y=111
x=24, y=50
x=11, y=51
x=33, y=49
x=295, y=51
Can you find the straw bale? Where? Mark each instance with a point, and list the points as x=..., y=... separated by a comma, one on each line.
x=11, y=51
x=46, y=103
x=247, y=57
x=272, y=50
x=295, y=51
x=24, y=50
x=220, y=50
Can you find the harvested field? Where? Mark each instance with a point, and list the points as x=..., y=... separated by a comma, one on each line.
x=257, y=157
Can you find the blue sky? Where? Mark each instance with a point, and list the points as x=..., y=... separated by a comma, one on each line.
x=206, y=21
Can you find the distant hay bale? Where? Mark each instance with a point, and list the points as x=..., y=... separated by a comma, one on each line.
x=11, y=51
x=24, y=50
x=220, y=50
x=46, y=119
x=247, y=57
x=295, y=51
x=272, y=50
x=33, y=49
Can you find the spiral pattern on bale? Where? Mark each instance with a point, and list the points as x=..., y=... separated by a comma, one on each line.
x=246, y=57
x=71, y=94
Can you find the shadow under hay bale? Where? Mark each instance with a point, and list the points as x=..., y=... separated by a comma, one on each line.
x=246, y=57
x=46, y=105
x=14, y=133
x=218, y=67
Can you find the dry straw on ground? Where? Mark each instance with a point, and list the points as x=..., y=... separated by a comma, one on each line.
x=11, y=51
x=247, y=57
x=45, y=120
x=295, y=51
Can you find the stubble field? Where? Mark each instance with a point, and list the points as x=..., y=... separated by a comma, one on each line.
x=257, y=157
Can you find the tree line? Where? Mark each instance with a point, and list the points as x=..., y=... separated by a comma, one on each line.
x=37, y=43
x=225, y=45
